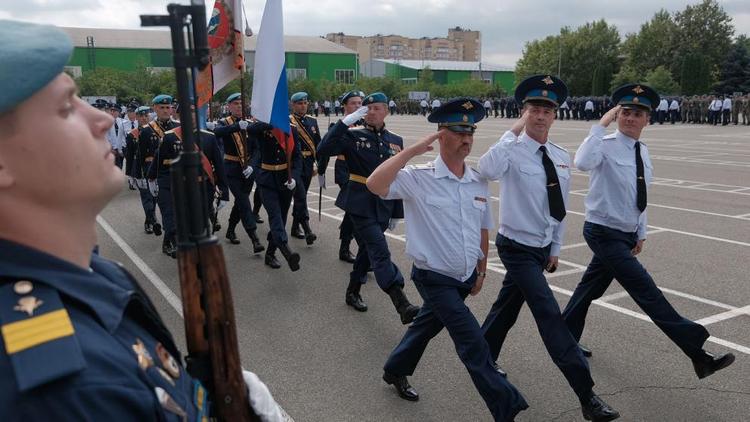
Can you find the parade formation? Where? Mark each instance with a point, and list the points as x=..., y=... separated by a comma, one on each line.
x=82, y=340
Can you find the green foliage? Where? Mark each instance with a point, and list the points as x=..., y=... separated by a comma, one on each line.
x=695, y=74
x=734, y=75
x=626, y=75
x=140, y=83
x=705, y=28
x=661, y=80
x=654, y=45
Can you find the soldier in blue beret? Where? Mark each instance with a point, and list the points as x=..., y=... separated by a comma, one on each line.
x=616, y=222
x=366, y=147
x=136, y=169
x=535, y=176
x=79, y=338
x=351, y=100
x=149, y=138
x=239, y=151
x=447, y=214
x=306, y=132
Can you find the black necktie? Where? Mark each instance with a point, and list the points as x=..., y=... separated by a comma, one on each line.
x=117, y=129
x=132, y=125
x=554, y=193
x=641, y=181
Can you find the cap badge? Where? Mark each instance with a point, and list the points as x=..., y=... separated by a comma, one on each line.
x=638, y=89
x=467, y=105
x=544, y=93
x=548, y=80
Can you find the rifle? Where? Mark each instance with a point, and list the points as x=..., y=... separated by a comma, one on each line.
x=213, y=352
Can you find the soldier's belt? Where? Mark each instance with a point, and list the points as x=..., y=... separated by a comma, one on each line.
x=307, y=153
x=272, y=167
x=148, y=159
x=341, y=157
x=357, y=178
x=229, y=157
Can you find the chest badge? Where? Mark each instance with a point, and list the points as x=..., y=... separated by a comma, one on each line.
x=23, y=287
x=167, y=361
x=28, y=304
x=144, y=357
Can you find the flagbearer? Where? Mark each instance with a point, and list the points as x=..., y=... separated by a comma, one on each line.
x=365, y=148
x=280, y=164
x=307, y=135
x=238, y=151
x=149, y=139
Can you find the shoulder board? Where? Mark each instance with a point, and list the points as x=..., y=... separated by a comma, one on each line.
x=475, y=170
x=557, y=146
x=169, y=131
x=608, y=137
x=207, y=132
x=394, y=133
x=425, y=166
x=643, y=143
x=356, y=127
x=38, y=334
x=310, y=116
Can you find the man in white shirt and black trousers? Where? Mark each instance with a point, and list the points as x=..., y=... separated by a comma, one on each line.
x=535, y=180
x=615, y=227
x=447, y=223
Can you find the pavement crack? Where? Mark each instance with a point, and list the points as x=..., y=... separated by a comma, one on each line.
x=558, y=416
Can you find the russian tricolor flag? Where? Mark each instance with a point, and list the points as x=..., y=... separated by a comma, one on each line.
x=270, y=103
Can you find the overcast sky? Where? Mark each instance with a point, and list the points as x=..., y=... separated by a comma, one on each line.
x=505, y=25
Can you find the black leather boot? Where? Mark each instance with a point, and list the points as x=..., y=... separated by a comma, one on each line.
x=271, y=260
x=310, y=237
x=344, y=253
x=405, y=309
x=169, y=248
x=292, y=258
x=296, y=231
x=148, y=227
x=353, y=297
x=157, y=229
x=231, y=235
x=257, y=247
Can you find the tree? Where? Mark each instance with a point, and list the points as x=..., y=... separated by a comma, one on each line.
x=734, y=75
x=695, y=74
x=661, y=80
x=626, y=75
x=704, y=28
x=653, y=46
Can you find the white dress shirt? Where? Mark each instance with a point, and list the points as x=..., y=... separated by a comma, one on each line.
x=116, y=135
x=612, y=197
x=589, y=106
x=444, y=216
x=715, y=105
x=524, y=207
x=435, y=103
x=674, y=105
x=727, y=104
x=663, y=105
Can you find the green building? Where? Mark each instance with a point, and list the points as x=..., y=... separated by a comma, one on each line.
x=443, y=71
x=312, y=58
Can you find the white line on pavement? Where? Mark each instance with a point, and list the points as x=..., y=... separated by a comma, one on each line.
x=614, y=296
x=162, y=287
x=725, y=315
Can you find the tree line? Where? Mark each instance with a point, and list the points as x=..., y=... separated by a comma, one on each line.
x=689, y=52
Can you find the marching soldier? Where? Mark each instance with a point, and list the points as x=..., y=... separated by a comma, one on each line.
x=366, y=147
x=615, y=227
x=279, y=164
x=351, y=100
x=238, y=153
x=446, y=207
x=149, y=141
x=536, y=181
x=136, y=167
x=306, y=133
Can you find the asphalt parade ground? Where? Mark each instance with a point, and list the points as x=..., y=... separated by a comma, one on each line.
x=323, y=361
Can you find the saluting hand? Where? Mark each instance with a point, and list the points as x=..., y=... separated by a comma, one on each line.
x=425, y=144
x=518, y=126
x=610, y=116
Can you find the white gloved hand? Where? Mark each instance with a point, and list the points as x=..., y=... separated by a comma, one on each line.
x=393, y=223
x=153, y=187
x=243, y=124
x=131, y=181
x=210, y=125
x=358, y=114
x=322, y=180
x=291, y=184
x=141, y=183
x=222, y=204
x=261, y=400
x=247, y=172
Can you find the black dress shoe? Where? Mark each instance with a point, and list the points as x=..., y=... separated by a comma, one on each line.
x=499, y=370
x=232, y=236
x=347, y=256
x=297, y=233
x=258, y=219
x=595, y=409
x=272, y=262
x=585, y=350
x=709, y=364
x=148, y=228
x=405, y=391
x=157, y=229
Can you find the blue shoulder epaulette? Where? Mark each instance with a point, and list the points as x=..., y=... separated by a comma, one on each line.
x=37, y=333
x=557, y=146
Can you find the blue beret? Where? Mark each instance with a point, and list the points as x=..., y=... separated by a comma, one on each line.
x=232, y=97
x=162, y=99
x=636, y=96
x=30, y=58
x=352, y=94
x=458, y=115
x=545, y=88
x=142, y=110
x=299, y=96
x=375, y=97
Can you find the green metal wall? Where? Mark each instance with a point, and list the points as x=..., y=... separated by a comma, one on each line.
x=318, y=65
x=506, y=79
